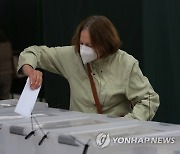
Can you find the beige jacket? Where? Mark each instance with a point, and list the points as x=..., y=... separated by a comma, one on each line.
x=118, y=79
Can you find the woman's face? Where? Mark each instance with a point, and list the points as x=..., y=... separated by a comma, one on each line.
x=85, y=38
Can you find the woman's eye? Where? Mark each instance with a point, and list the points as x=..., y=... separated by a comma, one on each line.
x=88, y=45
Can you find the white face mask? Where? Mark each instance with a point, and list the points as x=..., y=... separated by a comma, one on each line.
x=87, y=54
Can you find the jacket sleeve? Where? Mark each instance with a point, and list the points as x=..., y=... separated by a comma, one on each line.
x=141, y=94
x=43, y=57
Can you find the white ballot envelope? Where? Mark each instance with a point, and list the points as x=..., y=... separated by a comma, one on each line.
x=27, y=100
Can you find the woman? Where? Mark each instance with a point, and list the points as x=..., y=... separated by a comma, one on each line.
x=102, y=78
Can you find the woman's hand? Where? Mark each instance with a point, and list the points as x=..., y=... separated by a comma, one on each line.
x=35, y=76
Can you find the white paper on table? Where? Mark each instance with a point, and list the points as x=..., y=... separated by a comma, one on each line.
x=27, y=100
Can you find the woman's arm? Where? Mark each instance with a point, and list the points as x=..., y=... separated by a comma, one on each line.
x=140, y=92
x=50, y=59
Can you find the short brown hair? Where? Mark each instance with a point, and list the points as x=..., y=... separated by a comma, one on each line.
x=104, y=37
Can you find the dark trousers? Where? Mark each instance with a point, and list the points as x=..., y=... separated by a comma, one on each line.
x=5, y=86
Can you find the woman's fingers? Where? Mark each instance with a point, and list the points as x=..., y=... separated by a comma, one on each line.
x=35, y=76
x=35, y=79
x=39, y=79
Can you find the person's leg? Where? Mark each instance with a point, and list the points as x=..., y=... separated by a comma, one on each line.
x=5, y=86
